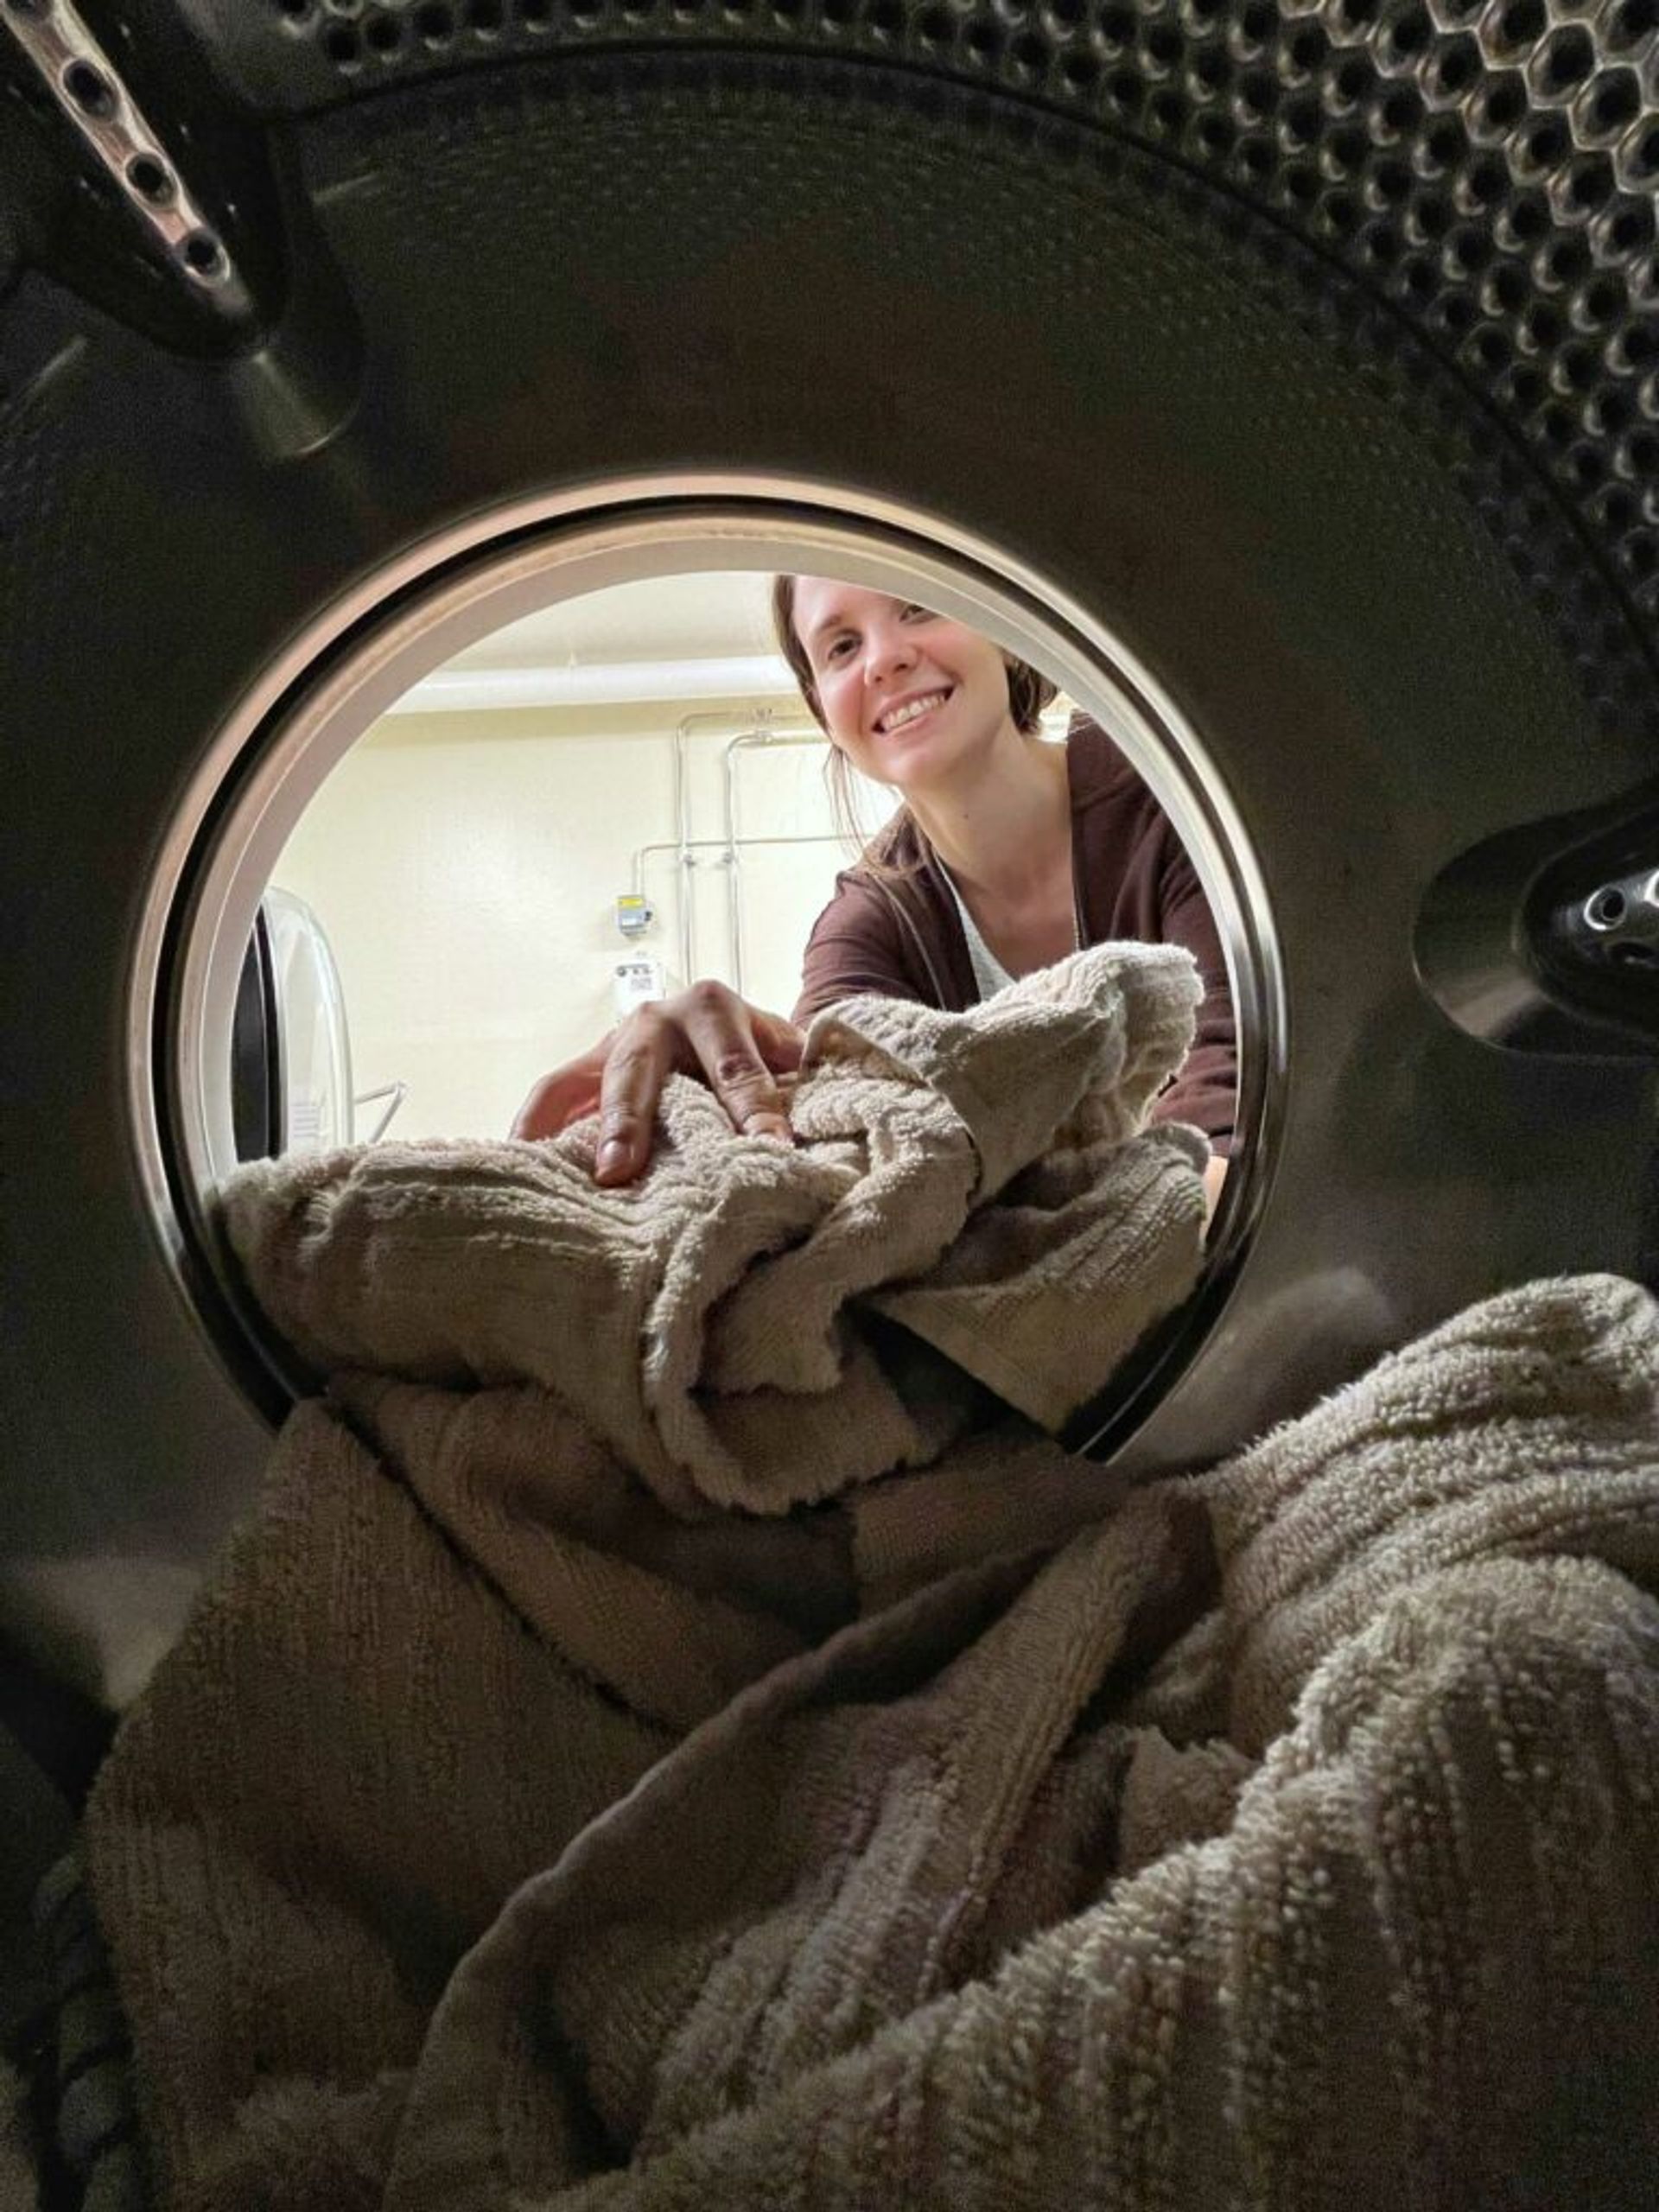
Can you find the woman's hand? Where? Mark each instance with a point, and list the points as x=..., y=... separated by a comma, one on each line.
x=738, y=1050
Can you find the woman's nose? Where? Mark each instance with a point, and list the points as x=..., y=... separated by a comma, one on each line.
x=887, y=651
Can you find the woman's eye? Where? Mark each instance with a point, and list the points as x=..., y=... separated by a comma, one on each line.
x=840, y=648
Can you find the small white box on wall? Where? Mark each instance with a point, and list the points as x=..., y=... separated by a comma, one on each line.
x=636, y=982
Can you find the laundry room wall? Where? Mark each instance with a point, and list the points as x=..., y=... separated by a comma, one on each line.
x=465, y=866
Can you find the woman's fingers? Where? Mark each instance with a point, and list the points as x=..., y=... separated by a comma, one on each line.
x=740, y=1051
x=779, y=1042
x=564, y=1096
x=642, y=1052
x=706, y=1031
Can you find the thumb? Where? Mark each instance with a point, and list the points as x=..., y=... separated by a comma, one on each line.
x=561, y=1097
x=779, y=1042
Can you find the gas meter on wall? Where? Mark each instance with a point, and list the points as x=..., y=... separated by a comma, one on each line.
x=634, y=913
x=635, y=982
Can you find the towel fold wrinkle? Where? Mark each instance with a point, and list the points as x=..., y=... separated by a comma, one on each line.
x=573, y=1793
x=705, y=1322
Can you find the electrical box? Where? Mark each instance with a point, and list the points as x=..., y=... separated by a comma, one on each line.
x=635, y=982
x=634, y=913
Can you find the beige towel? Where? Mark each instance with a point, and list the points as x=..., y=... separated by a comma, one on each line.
x=19, y=2163
x=709, y=1325
x=1287, y=1838
x=968, y=1946
x=647, y=1753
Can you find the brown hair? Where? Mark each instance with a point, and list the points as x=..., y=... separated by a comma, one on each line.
x=1029, y=692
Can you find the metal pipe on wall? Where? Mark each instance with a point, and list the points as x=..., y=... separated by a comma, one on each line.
x=723, y=846
x=761, y=736
x=683, y=730
x=686, y=844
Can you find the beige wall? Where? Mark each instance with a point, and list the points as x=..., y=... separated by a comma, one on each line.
x=465, y=868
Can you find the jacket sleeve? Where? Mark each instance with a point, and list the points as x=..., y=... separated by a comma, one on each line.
x=857, y=944
x=1206, y=1091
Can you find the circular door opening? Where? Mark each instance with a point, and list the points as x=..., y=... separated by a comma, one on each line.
x=674, y=908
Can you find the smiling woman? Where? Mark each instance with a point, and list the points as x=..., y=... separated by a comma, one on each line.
x=1006, y=854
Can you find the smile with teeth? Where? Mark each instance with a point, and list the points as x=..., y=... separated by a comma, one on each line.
x=908, y=710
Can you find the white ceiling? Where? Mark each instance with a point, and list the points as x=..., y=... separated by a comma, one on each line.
x=677, y=618
x=678, y=638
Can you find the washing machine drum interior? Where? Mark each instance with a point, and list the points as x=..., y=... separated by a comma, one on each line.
x=1309, y=349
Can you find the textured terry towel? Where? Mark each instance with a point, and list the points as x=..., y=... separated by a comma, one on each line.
x=19, y=2174
x=706, y=1322
x=504, y=1831
x=1285, y=1839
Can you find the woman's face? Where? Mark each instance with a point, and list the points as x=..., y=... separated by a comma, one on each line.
x=907, y=695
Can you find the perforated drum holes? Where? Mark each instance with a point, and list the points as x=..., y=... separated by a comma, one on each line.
x=117, y=139
x=90, y=93
x=203, y=255
x=1630, y=21
x=1442, y=153
x=151, y=179
x=1623, y=918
